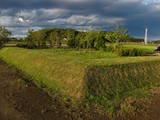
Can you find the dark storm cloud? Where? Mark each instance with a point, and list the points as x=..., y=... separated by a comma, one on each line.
x=48, y=3
x=20, y=15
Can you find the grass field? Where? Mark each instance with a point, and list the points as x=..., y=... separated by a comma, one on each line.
x=96, y=75
x=145, y=48
x=12, y=44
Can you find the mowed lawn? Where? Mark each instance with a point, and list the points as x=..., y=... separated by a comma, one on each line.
x=62, y=70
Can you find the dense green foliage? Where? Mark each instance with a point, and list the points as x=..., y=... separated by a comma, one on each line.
x=4, y=35
x=130, y=52
x=57, y=38
x=118, y=34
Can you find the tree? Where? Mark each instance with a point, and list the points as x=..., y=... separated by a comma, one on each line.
x=39, y=38
x=4, y=35
x=80, y=40
x=90, y=39
x=118, y=34
x=58, y=37
x=30, y=42
x=100, y=42
x=52, y=39
x=71, y=37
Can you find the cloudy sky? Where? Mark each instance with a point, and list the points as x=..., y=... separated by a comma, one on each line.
x=136, y=15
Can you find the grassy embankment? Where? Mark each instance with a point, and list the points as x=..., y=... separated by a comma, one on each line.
x=100, y=77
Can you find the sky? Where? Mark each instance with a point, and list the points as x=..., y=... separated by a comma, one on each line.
x=20, y=15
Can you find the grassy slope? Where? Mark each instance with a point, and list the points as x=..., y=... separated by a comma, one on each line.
x=117, y=82
x=104, y=79
x=65, y=70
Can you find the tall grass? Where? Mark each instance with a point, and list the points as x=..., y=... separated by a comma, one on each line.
x=116, y=82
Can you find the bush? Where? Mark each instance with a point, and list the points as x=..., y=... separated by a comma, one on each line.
x=130, y=52
x=114, y=47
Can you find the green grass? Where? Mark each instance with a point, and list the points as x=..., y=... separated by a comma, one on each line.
x=117, y=82
x=96, y=76
x=145, y=48
x=12, y=43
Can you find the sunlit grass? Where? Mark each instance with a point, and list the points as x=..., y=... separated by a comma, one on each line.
x=145, y=48
x=98, y=77
x=63, y=70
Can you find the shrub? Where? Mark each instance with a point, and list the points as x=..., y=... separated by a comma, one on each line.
x=130, y=52
x=114, y=47
x=100, y=41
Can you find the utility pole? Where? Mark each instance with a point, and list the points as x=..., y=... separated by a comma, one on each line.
x=146, y=37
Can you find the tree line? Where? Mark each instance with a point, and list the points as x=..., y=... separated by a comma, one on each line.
x=4, y=35
x=57, y=37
